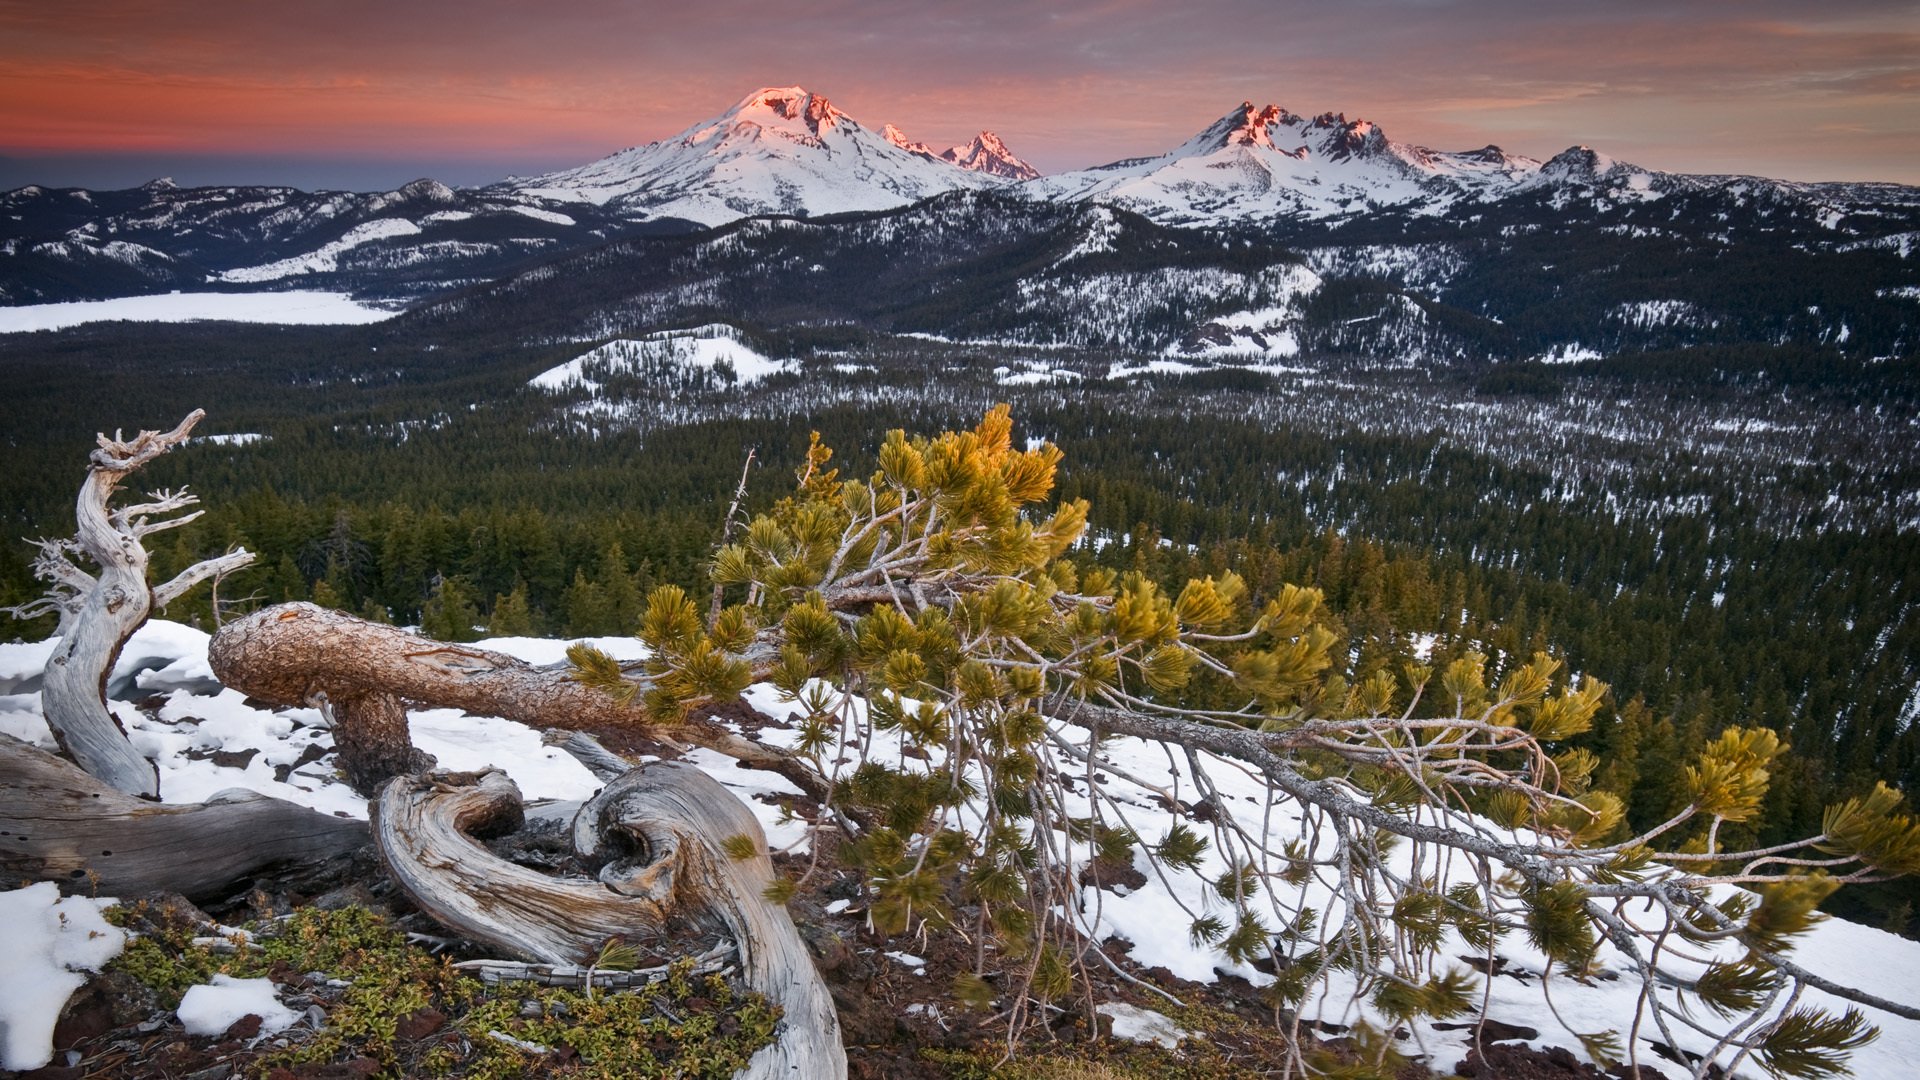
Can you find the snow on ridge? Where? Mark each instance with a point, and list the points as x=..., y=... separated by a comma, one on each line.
x=711, y=347
x=300, y=307
x=1649, y=314
x=325, y=258
x=1103, y=228
x=538, y=214
x=1570, y=352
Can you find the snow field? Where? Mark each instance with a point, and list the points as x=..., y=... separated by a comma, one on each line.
x=291, y=308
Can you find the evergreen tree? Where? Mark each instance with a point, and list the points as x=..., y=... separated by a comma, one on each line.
x=511, y=617
x=587, y=612
x=450, y=614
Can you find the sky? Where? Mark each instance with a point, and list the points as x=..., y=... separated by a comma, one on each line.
x=368, y=95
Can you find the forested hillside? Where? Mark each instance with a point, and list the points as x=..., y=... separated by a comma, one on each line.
x=1725, y=535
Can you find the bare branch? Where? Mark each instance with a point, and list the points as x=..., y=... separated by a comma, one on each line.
x=199, y=572
x=124, y=456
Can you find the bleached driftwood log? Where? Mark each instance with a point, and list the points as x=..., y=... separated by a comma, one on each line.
x=59, y=824
x=658, y=837
x=294, y=654
x=98, y=614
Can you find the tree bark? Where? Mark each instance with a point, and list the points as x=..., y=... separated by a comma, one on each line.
x=291, y=654
x=657, y=836
x=59, y=824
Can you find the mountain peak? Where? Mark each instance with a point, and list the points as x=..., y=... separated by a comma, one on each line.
x=899, y=138
x=778, y=150
x=1579, y=163
x=987, y=154
x=790, y=104
x=426, y=189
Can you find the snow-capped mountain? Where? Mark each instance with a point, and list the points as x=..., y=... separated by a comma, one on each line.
x=985, y=154
x=1264, y=162
x=780, y=150
x=787, y=151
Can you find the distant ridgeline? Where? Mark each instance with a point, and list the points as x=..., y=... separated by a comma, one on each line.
x=1268, y=233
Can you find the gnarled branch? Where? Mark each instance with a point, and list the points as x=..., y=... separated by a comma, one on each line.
x=659, y=837
x=289, y=653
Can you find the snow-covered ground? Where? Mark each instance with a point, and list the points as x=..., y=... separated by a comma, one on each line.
x=327, y=257
x=712, y=347
x=293, y=308
x=263, y=750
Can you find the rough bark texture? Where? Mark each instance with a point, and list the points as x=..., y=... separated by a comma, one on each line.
x=59, y=824
x=658, y=836
x=371, y=741
x=291, y=654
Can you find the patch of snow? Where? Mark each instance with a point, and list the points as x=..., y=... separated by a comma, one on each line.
x=1135, y=1024
x=292, y=308
x=1649, y=314
x=1152, y=367
x=211, y=1008
x=538, y=214
x=52, y=942
x=716, y=346
x=549, y=651
x=462, y=742
x=1034, y=374
x=1569, y=353
x=918, y=964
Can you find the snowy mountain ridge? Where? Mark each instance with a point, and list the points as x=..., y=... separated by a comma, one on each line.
x=1264, y=162
x=790, y=151
x=778, y=150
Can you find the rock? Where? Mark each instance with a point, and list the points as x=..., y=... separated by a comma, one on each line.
x=421, y=1024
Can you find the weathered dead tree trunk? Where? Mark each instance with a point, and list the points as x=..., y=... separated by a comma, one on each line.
x=64, y=826
x=295, y=654
x=657, y=836
x=94, y=827
x=98, y=614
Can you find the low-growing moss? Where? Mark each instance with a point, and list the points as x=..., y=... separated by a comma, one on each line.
x=679, y=1027
x=682, y=1026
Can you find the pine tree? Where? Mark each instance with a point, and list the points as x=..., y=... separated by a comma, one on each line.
x=588, y=613
x=511, y=616
x=937, y=592
x=450, y=614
